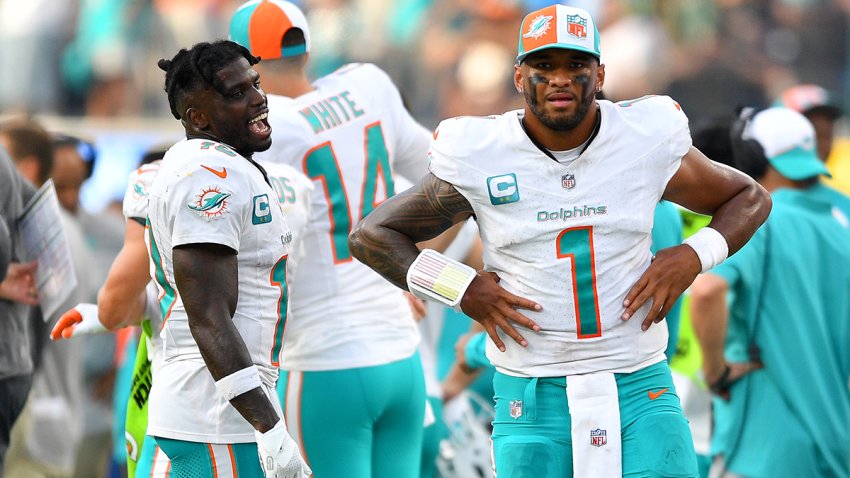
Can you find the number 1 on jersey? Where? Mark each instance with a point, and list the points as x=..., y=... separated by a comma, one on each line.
x=277, y=278
x=577, y=244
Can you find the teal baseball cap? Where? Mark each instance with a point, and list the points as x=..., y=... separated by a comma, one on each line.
x=788, y=140
x=558, y=26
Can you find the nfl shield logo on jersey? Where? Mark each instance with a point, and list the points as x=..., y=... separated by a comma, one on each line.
x=516, y=408
x=577, y=26
x=598, y=437
x=568, y=181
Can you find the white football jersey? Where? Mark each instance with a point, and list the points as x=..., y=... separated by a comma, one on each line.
x=139, y=183
x=294, y=194
x=135, y=207
x=207, y=193
x=351, y=136
x=574, y=238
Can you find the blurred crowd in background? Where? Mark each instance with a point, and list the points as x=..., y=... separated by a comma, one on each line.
x=96, y=59
x=88, y=68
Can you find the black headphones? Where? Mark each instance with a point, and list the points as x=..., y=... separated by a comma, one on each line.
x=747, y=153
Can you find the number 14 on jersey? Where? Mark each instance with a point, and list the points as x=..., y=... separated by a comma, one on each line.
x=321, y=163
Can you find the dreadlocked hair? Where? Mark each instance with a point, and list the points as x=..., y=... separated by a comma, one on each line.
x=196, y=68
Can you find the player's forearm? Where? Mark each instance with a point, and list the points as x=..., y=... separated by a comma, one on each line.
x=210, y=306
x=225, y=353
x=255, y=407
x=739, y=218
x=121, y=300
x=120, y=309
x=386, y=239
x=213, y=338
x=388, y=252
x=709, y=316
x=458, y=380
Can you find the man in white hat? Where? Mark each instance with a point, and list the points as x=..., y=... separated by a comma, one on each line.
x=777, y=355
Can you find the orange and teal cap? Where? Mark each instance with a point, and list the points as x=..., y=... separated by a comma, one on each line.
x=259, y=26
x=558, y=26
x=809, y=99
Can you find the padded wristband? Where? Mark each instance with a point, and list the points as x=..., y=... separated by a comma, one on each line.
x=239, y=382
x=710, y=246
x=433, y=276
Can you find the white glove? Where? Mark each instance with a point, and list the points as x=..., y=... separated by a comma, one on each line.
x=81, y=320
x=279, y=454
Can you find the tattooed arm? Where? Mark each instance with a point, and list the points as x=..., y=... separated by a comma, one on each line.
x=385, y=240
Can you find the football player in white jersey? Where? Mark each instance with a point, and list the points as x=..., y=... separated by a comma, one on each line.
x=564, y=193
x=218, y=245
x=128, y=287
x=350, y=329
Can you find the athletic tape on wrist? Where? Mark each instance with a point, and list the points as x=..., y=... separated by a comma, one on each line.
x=239, y=382
x=436, y=277
x=91, y=323
x=710, y=246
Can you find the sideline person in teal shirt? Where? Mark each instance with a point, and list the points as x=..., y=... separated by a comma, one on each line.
x=776, y=352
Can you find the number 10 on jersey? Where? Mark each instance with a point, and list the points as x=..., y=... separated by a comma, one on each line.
x=321, y=163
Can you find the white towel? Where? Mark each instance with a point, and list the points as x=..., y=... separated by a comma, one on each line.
x=430, y=419
x=595, y=415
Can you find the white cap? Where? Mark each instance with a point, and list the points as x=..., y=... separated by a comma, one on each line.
x=788, y=140
x=558, y=26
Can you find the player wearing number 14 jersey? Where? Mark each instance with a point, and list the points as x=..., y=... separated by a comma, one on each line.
x=349, y=328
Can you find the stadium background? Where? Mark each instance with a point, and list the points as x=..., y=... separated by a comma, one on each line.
x=88, y=67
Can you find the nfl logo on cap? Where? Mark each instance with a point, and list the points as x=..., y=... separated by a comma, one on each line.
x=577, y=26
x=558, y=26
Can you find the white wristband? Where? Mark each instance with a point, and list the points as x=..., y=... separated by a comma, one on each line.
x=239, y=382
x=436, y=277
x=91, y=323
x=710, y=246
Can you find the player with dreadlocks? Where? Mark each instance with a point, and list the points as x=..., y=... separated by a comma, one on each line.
x=219, y=250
